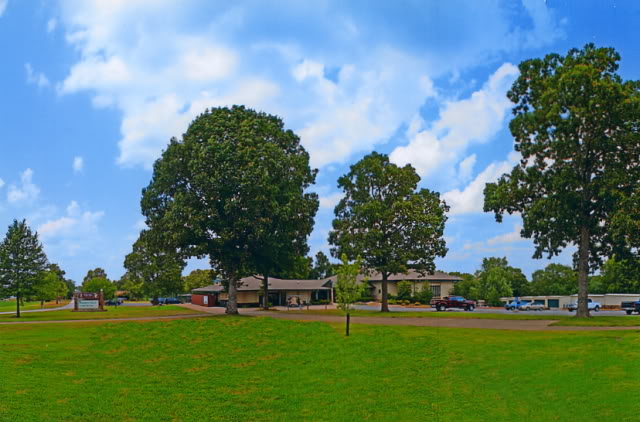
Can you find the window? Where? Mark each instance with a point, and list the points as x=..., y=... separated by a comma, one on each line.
x=435, y=291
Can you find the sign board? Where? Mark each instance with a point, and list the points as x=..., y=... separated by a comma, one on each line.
x=88, y=304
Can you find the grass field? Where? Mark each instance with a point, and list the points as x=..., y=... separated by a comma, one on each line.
x=261, y=369
x=10, y=305
x=562, y=320
x=112, y=312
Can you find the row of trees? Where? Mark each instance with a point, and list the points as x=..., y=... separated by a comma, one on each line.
x=25, y=271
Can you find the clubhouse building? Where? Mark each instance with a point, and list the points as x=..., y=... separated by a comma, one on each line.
x=282, y=292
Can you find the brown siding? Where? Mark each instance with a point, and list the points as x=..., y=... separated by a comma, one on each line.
x=199, y=300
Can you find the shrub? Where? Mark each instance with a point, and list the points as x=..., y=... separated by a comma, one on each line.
x=391, y=301
x=424, y=296
x=404, y=290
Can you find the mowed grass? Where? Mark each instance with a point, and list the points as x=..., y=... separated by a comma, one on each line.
x=262, y=369
x=112, y=312
x=10, y=305
x=561, y=320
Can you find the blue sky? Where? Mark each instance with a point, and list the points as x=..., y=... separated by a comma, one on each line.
x=91, y=92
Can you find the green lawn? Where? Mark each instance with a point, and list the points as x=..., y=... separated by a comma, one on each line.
x=562, y=320
x=10, y=305
x=112, y=312
x=261, y=369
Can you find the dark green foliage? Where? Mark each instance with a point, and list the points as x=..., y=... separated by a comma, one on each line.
x=22, y=261
x=468, y=287
x=576, y=126
x=99, y=284
x=384, y=218
x=234, y=189
x=197, y=279
x=617, y=276
x=159, y=269
x=555, y=279
x=97, y=273
x=322, y=267
x=405, y=290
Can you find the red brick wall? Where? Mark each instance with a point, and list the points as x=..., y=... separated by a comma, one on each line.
x=199, y=300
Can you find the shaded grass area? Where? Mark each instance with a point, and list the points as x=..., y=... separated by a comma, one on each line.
x=112, y=312
x=10, y=305
x=562, y=320
x=262, y=369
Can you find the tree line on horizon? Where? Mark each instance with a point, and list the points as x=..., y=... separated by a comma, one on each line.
x=235, y=189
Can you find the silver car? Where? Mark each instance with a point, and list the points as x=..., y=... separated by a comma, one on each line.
x=532, y=307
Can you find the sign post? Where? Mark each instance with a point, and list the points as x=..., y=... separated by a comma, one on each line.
x=88, y=302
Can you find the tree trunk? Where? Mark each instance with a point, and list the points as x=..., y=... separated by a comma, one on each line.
x=232, y=300
x=42, y=304
x=18, y=304
x=348, y=321
x=265, y=292
x=583, y=274
x=385, y=298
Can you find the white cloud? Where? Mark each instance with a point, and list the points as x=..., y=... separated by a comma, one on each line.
x=471, y=198
x=511, y=237
x=1, y=183
x=3, y=6
x=330, y=201
x=35, y=78
x=25, y=192
x=52, y=24
x=461, y=123
x=72, y=232
x=144, y=60
x=465, y=168
x=78, y=164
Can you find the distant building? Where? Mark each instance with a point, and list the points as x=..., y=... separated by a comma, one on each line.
x=609, y=300
x=281, y=291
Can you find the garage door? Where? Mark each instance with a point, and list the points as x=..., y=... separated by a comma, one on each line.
x=553, y=303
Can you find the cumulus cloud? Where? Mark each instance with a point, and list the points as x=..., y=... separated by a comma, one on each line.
x=475, y=119
x=78, y=164
x=345, y=91
x=24, y=192
x=510, y=237
x=52, y=24
x=71, y=232
x=1, y=183
x=330, y=201
x=35, y=78
x=471, y=198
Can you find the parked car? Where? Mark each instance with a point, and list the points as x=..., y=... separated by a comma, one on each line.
x=453, y=302
x=593, y=306
x=165, y=301
x=631, y=307
x=114, y=302
x=515, y=304
x=532, y=306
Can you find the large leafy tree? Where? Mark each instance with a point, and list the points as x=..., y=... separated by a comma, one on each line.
x=22, y=261
x=159, y=269
x=496, y=279
x=555, y=279
x=198, y=278
x=97, y=273
x=576, y=126
x=322, y=267
x=234, y=189
x=100, y=284
x=618, y=276
x=387, y=221
x=48, y=286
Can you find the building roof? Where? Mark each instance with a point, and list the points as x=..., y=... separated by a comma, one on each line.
x=413, y=275
x=253, y=283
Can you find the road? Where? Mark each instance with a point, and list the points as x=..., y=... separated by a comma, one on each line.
x=550, y=312
x=67, y=306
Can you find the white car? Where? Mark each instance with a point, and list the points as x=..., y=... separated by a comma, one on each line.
x=593, y=306
x=532, y=307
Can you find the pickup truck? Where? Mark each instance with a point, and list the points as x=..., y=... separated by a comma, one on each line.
x=453, y=302
x=630, y=307
x=593, y=306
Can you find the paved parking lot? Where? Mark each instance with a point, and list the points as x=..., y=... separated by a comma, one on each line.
x=489, y=311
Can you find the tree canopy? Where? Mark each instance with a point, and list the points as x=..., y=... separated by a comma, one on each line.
x=22, y=261
x=100, y=284
x=555, y=279
x=159, y=269
x=234, y=189
x=386, y=220
x=576, y=128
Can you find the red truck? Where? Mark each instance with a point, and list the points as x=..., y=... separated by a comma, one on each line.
x=453, y=302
